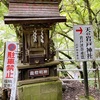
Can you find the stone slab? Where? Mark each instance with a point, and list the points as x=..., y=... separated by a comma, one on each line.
x=41, y=91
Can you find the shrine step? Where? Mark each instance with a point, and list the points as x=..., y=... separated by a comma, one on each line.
x=37, y=80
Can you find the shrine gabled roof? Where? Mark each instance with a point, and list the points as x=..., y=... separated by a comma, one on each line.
x=21, y=11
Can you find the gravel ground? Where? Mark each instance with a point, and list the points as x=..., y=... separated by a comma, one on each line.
x=74, y=89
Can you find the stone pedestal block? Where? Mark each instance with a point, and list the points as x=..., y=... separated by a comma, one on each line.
x=41, y=91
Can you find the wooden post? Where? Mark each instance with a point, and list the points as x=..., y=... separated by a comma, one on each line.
x=86, y=79
x=5, y=95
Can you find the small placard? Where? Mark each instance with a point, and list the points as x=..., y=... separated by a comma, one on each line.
x=38, y=72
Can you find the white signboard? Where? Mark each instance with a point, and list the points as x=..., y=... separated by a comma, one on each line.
x=10, y=68
x=84, y=42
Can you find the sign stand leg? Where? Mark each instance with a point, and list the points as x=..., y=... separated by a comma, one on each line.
x=86, y=79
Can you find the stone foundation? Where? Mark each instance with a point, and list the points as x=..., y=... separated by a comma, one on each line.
x=41, y=91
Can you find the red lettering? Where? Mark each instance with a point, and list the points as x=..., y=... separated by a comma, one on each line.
x=10, y=67
x=11, y=55
x=9, y=74
x=10, y=61
x=10, y=70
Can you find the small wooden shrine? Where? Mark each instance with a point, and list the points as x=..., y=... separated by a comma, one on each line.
x=37, y=65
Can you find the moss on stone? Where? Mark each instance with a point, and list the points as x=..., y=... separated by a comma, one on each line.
x=41, y=91
x=84, y=98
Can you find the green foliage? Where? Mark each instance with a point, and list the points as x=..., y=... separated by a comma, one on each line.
x=3, y=10
x=7, y=32
x=77, y=12
x=84, y=98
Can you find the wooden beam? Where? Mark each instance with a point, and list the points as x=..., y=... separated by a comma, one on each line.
x=26, y=66
x=34, y=20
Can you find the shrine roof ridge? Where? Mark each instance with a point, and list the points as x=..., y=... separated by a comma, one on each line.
x=34, y=1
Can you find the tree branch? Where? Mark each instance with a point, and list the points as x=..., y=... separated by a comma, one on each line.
x=5, y=2
x=66, y=36
x=81, y=73
x=1, y=68
x=89, y=10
